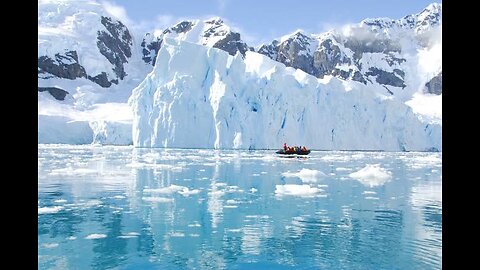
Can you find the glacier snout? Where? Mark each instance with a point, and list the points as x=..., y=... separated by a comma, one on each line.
x=201, y=97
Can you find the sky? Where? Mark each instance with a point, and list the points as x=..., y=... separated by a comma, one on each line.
x=262, y=21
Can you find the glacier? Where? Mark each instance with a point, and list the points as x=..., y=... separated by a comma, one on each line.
x=89, y=61
x=202, y=97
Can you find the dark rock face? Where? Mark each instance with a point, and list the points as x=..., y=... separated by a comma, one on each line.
x=57, y=93
x=182, y=27
x=64, y=66
x=392, y=60
x=102, y=80
x=115, y=45
x=383, y=77
x=357, y=76
x=371, y=46
x=294, y=52
x=434, y=86
x=327, y=58
x=150, y=50
x=270, y=50
x=212, y=30
x=231, y=44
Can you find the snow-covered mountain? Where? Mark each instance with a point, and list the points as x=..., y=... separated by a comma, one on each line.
x=212, y=33
x=89, y=62
x=200, y=97
x=376, y=51
x=79, y=40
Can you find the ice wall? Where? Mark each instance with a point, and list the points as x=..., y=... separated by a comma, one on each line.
x=200, y=97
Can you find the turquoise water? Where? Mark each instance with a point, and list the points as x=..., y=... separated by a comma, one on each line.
x=126, y=208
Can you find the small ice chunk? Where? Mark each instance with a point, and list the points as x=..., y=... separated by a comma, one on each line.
x=296, y=190
x=372, y=175
x=50, y=245
x=127, y=236
x=157, y=199
x=60, y=201
x=93, y=203
x=49, y=210
x=96, y=236
x=306, y=175
x=187, y=192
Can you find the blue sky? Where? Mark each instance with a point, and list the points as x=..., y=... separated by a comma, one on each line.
x=260, y=21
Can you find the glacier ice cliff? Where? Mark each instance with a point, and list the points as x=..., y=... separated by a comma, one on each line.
x=202, y=97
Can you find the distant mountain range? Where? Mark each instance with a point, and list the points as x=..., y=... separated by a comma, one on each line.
x=80, y=40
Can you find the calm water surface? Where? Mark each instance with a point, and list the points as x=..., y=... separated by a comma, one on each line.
x=126, y=208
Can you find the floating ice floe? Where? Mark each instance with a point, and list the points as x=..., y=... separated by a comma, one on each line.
x=50, y=245
x=306, y=175
x=296, y=190
x=184, y=191
x=129, y=235
x=418, y=162
x=60, y=201
x=372, y=175
x=157, y=199
x=342, y=169
x=49, y=210
x=187, y=192
x=96, y=236
x=72, y=171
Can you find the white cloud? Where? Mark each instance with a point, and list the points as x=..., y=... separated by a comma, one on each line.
x=117, y=11
x=164, y=21
x=160, y=23
x=322, y=27
x=222, y=4
x=249, y=38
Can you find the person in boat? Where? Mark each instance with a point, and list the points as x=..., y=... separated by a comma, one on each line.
x=285, y=147
x=304, y=149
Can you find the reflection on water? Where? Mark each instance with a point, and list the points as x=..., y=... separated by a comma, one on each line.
x=120, y=207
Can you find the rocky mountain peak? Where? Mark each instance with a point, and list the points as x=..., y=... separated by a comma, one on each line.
x=213, y=32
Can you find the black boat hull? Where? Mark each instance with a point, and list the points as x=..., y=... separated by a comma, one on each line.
x=301, y=153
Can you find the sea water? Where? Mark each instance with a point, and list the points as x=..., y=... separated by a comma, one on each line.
x=117, y=207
